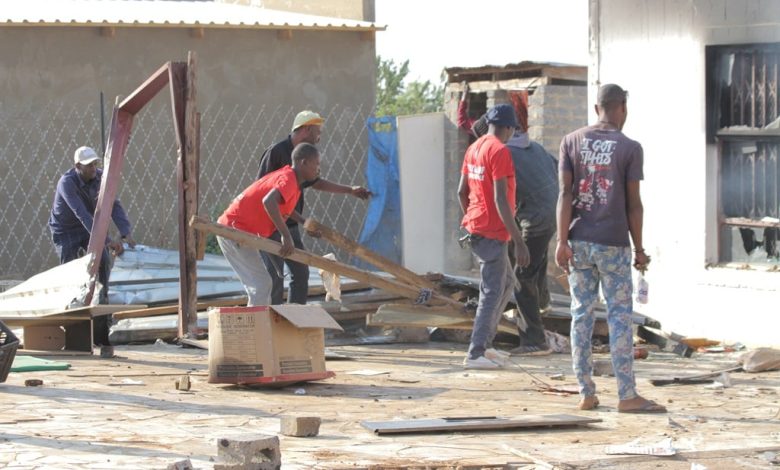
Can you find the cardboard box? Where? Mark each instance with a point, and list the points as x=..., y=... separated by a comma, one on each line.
x=277, y=344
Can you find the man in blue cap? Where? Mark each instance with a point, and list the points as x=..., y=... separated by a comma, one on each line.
x=487, y=196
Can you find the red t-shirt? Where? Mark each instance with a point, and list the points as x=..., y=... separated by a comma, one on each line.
x=487, y=160
x=247, y=212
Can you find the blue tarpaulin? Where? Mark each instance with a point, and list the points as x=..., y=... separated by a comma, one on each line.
x=382, y=226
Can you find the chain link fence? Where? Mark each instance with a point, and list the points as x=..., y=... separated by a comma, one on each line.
x=36, y=148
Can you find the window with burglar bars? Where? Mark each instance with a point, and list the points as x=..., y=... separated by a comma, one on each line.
x=743, y=120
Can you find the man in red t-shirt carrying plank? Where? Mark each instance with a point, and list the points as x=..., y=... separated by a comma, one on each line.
x=262, y=209
x=487, y=197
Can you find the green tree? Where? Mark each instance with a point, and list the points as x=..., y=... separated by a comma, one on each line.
x=396, y=98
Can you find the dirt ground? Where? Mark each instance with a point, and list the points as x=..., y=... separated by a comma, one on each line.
x=125, y=413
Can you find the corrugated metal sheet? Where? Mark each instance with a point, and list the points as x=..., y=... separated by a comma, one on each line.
x=135, y=13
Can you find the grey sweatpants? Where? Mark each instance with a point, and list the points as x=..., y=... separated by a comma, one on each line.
x=496, y=287
x=249, y=266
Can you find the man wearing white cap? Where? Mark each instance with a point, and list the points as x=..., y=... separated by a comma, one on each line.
x=71, y=220
x=307, y=128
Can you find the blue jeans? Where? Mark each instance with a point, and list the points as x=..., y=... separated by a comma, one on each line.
x=609, y=266
x=496, y=286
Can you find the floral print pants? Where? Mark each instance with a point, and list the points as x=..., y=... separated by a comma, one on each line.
x=609, y=266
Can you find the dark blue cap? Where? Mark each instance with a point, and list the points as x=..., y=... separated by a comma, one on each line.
x=502, y=115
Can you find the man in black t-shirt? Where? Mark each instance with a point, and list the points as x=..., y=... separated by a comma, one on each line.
x=307, y=127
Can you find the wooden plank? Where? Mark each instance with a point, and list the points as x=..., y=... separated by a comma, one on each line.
x=422, y=316
x=745, y=222
x=401, y=273
x=693, y=379
x=301, y=256
x=574, y=73
x=39, y=352
x=81, y=312
x=474, y=424
x=195, y=343
x=482, y=86
x=178, y=78
x=174, y=308
x=189, y=205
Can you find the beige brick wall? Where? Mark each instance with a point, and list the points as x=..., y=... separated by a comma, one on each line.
x=554, y=111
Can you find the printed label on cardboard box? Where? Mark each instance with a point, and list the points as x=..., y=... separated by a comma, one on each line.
x=239, y=370
x=299, y=366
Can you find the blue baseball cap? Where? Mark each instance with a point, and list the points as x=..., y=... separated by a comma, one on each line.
x=502, y=115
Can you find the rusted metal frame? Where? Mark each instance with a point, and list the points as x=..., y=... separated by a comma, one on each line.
x=121, y=125
x=148, y=90
x=119, y=136
x=187, y=125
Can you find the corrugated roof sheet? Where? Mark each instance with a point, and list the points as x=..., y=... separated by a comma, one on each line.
x=200, y=14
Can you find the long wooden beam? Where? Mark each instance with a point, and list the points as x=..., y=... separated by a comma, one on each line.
x=424, y=296
x=190, y=184
x=401, y=273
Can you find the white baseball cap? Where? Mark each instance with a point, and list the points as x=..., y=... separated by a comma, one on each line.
x=85, y=155
x=307, y=118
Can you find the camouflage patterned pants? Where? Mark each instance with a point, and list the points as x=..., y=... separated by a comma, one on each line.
x=610, y=267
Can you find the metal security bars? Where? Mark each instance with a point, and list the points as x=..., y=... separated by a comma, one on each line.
x=743, y=116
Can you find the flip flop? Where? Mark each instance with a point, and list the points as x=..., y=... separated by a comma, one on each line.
x=649, y=406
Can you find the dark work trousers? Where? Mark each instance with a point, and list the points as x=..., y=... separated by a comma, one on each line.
x=528, y=295
x=299, y=282
x=69, y=252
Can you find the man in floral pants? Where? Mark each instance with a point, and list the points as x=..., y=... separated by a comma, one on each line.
x=599, y=206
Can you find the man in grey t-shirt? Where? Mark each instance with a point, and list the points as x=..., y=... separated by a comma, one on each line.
x=598, y=208
x=536, y=195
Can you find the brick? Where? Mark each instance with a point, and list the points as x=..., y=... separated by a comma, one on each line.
x=248, y=452
x=183, y=383
x=300, y=426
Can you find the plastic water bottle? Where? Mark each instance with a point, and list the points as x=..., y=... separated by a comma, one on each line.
x=641, y=288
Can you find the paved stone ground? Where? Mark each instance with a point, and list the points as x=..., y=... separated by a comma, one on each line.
x=125, y=413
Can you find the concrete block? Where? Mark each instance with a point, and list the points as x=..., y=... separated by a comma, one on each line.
x=181, y=465
x=248, y=452
x=183, y=383
x=300, y=426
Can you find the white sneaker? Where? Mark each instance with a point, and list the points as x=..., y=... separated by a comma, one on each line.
x=499, y=357
x=480, y=363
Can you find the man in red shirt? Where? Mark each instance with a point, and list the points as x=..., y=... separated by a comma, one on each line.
x=487, y=197
x=262, y=209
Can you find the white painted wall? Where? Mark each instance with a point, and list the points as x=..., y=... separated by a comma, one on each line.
x=656, y=50
x=422, y=164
